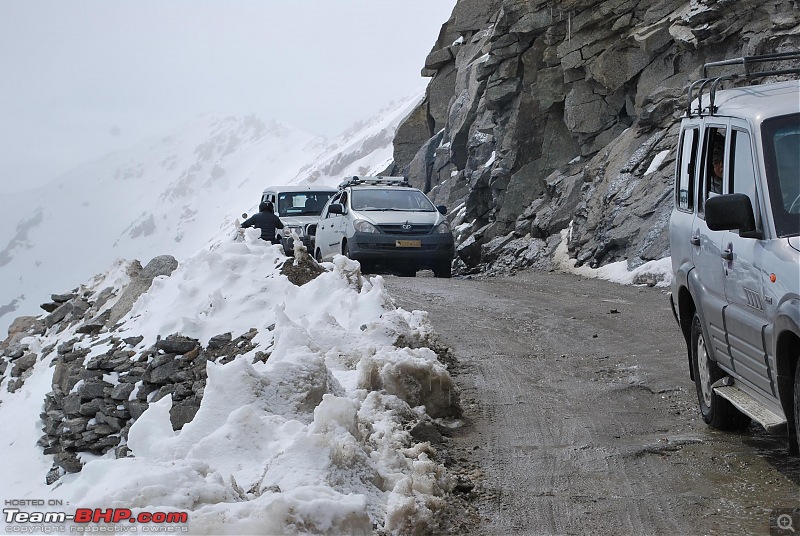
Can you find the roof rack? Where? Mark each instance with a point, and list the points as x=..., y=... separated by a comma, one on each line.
x=380, y=180
x=747, y=62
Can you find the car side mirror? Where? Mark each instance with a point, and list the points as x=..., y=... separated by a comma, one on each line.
x=336, y=208
x=442, y=209
x=731, y=211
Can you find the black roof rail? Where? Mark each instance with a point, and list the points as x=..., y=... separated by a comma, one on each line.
x=747, y=62
x=379, y=180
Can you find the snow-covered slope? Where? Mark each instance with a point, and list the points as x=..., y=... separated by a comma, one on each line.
x=307, y=432
x=168, y=195
x=364, y=148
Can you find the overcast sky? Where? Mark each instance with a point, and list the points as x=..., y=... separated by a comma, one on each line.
x=80, y=78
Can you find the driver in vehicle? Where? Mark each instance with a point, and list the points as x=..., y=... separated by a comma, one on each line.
x=717, y=168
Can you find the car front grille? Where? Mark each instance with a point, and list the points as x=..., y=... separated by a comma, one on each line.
x=392, y=247
x=398, y=229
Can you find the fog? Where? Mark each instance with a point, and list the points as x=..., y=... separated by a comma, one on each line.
x=84, y=78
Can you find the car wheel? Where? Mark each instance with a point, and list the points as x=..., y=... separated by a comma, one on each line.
x=716, y=411
x=318, y=255
x=443, y=269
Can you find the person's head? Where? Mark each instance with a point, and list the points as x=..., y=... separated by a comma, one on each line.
x=266, y=206
x=718, y=168
x=717, y=157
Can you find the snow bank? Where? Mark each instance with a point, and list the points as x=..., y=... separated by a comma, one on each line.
x=655, y=273
x=312, y=440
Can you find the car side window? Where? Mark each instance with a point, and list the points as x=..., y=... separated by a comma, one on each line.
x=742, y=176
x=687, y=164
x=714, y=168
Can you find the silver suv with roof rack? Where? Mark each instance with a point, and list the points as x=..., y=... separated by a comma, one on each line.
x=735, y=245
x=383, y=222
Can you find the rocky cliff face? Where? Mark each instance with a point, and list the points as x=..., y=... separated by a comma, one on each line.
x=550, y=119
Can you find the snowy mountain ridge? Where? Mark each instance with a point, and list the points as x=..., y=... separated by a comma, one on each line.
x=169, y=194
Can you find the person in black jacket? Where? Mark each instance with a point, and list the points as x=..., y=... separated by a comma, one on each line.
x=267, y=221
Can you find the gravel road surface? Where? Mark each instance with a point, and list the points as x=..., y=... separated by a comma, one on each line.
x=580, y=417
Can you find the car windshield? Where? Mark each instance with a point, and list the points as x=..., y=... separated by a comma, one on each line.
x=384, y=199
x=781, y=137
x=302, y=203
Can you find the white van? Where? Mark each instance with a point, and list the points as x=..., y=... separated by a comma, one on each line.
x=384, y=222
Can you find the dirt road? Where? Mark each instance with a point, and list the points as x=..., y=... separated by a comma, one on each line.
x=581, y=417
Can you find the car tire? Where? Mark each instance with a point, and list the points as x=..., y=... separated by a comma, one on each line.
x=716, y=411
x=346, y=249
x=443, y=269
x=318, y=255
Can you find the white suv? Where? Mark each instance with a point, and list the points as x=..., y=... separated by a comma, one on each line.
x=383, y=221
x=298, y=207
x=735, y=246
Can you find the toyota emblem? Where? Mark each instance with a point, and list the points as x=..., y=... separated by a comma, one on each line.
x=406, y=226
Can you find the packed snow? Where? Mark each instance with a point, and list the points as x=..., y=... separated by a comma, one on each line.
x=656, y=273
x=315, y=439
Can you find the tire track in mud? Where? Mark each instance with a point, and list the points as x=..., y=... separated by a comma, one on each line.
x=581, y=414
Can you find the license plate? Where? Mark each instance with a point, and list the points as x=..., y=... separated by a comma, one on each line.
x=408, y=243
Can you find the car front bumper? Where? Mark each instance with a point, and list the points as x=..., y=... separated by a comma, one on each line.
x=406, y=250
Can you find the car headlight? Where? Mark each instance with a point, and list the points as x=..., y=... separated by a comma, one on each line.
x=441, y=228
x=287, y=230
x=363, y=226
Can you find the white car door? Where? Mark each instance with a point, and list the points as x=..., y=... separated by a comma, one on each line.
x=328, y=239
x=742, y=260
x=706, y=252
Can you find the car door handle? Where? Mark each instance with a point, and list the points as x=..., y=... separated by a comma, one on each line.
x=727, y=255
x=695, y=240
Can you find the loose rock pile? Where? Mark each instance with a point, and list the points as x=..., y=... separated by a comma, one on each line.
x=94, y=402
x=16, y=358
